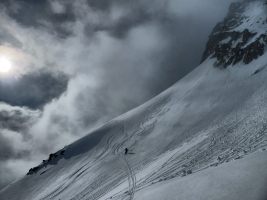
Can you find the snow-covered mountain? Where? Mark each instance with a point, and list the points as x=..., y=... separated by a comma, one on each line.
x=203, y=138
x=242, y=36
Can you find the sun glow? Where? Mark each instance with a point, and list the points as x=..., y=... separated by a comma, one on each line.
x=14, y=63
x=5, y=65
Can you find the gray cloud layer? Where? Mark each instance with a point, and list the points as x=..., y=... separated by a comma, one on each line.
x=33, y=90
x=15, y=149
x=117, y=54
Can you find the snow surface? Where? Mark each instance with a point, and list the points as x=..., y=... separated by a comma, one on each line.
x=190, y=139
x=243, y=179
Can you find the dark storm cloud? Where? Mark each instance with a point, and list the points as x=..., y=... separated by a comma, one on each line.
x=38, y=14
x=33, y=90
x=117, y=54
x=136, y=15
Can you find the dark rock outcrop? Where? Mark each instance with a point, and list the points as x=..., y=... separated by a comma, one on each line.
x=52, y=160
x=240, y=37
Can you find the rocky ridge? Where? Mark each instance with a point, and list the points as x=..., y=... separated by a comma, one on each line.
x=241, y=36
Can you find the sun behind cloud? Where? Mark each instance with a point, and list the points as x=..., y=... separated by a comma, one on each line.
x=14, y=62
x=5, y=65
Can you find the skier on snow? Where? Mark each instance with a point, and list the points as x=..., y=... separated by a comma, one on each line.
x=126, y=151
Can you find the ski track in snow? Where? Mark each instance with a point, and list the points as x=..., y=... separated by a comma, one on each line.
x=199, y=155
x=131, y=177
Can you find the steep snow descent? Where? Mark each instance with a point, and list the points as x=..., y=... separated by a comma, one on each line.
x=210, y=117
x=242, y=36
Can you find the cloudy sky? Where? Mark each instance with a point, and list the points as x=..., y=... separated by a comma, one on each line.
x=68, y=66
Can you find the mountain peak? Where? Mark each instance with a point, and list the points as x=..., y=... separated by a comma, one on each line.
x=241, y=36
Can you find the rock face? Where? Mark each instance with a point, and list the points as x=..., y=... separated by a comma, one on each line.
x=242, y=36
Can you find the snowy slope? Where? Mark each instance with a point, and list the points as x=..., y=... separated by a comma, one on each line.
x=209, y=123
x=208, y=118
x=243, y=179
